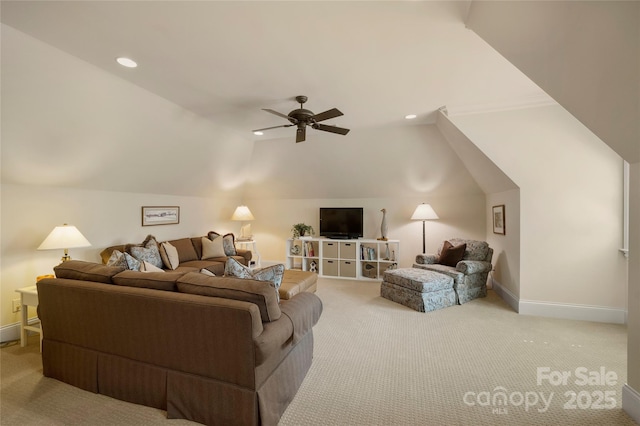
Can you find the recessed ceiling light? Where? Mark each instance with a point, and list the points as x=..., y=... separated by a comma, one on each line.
x=126, y=62
x=258, y=133
x=410, y=116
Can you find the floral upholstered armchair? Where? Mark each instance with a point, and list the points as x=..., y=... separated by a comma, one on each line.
x=468, y=262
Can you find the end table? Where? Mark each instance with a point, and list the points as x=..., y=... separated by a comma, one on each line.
x=250, y=245
x=28, y=297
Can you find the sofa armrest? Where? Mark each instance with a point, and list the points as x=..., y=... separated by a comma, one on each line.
x=303, y=310
x=247, y=254
x=469, y=267
x=426, y=259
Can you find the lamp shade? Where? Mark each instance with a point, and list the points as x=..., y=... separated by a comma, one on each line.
x=424, y=212
x=242, y=213
x=64, y=237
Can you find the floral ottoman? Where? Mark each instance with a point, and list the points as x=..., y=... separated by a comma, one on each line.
x=418, y=289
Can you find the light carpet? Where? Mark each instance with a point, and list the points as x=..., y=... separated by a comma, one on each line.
x=379, y=363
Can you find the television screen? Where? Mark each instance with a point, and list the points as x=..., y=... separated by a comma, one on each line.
x=341, y=222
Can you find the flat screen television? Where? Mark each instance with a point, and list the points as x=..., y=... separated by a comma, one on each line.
x=341, y=222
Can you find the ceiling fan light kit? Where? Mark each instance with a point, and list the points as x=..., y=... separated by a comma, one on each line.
x=302, y=118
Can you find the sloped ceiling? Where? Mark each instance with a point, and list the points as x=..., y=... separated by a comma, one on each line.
x=205, y=71
x=585, y=54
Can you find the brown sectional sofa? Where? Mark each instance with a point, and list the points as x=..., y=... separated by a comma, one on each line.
x=215, y=350
x=190, y=253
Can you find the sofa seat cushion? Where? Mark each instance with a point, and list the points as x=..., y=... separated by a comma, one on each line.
x=88, y=271
x=260, y=293
x=154, y=280
x=296, y=281
x=458, y=277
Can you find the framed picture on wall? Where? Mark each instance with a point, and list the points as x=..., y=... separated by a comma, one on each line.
x=498, y=220
x=160, y=215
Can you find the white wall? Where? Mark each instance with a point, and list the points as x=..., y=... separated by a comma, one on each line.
x=499, y=190
x=395, y=168
x=461, y=216
x=401, y=161
x=570, y=205
x=29, y=213
x=506, y=248
x=633, y=348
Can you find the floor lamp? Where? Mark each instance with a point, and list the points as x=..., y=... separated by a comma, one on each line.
x=424, y=212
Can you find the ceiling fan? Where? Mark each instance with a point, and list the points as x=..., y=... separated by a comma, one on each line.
x=303, y=117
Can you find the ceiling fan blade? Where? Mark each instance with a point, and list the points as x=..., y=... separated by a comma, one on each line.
x=274, y=127
x=279, y=114
x=332, y=129
x=301, y=134
x=332, y=113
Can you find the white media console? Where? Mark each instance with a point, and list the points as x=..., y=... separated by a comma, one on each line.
x=349, y=259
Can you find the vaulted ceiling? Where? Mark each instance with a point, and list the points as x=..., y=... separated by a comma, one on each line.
x=208, y=68
x=225, y=61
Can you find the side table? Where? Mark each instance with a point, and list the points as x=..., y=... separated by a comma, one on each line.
x=28, y=297
x=250, y=245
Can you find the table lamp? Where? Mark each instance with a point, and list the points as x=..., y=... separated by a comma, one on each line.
x=424, y=212
x=243, y=214
x=64, y=237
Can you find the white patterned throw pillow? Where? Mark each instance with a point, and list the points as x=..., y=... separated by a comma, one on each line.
x=272, y=274
x=132, y=262
x=124, y=260
x=148, y=252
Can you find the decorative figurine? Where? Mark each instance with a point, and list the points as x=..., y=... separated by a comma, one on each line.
x=383, y=226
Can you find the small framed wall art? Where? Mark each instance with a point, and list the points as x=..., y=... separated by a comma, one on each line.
x=160, y=215
x=499, y=220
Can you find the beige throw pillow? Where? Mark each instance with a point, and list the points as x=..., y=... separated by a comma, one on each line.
x=212, y=248
x=169, y=255
x=149, y=267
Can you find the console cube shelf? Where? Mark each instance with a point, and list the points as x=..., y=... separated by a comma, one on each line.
x=349, y=259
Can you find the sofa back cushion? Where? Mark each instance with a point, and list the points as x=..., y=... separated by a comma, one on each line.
x=87, y=271
x=261, y=293
x=186, y=251
x=154, y=280
x=197, y=245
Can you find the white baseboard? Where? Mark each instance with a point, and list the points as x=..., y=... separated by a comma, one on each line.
x=560, y=310
x=572, y=311
x=631, y=402
x=11, y=332
x=505, y=294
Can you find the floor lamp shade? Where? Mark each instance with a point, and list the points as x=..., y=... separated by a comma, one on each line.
x=424, y=212
x=64, y=237
x=242, y=213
